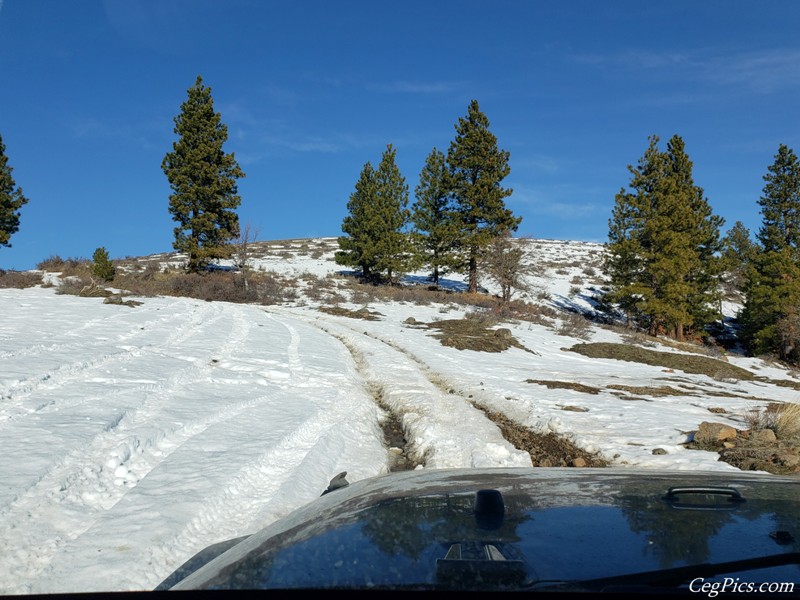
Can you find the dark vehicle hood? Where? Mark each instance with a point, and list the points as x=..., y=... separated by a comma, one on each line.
x=529, y=528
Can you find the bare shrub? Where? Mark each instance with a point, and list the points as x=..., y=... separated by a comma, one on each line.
x=575, y=325
x=67, y=267
x=214, y=286
x=72, y=285
x=486, y=318
x=503, y=263
x=19, y=279
x=271, y=290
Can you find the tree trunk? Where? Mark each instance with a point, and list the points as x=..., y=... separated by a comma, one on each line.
x=473, y=274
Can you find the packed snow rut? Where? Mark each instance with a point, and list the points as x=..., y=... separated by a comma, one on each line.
x=152, y=423
x=410, y=389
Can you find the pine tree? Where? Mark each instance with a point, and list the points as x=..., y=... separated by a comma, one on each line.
x=355, y=247
x=376, y=240
x=434, y=236
x=392, y=244
x=203, y=178
x=102, y=267
x=11, y=200
x=663, y=241
x=770, y=319
x=738, y=253
x=476, y=169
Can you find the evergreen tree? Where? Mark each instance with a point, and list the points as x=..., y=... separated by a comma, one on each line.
x=376, y=240
x=476, y=169
x=102, y=267
x=203, y=179
x=11, y=199
x=738, y=253
x=392, y=245
x=770, y=316
x=663, y=241
x=355, y=247
x=435, y=234
x=780, y=204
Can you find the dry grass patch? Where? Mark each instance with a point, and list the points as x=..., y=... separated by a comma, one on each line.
x=688, y=363
x=362, y=313
x=565, y=385
x=659, y=391
x=783, y=419
x=473, y=334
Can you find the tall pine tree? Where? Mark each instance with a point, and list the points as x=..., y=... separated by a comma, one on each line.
x=738, y=253
x=477, y=168
x=435, y=235
x=663, y=240
x=203, y=180
x=11, y=199
x=376, y=239
x=771, y=319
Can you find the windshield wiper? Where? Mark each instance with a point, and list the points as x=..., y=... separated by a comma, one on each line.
x=680, y=575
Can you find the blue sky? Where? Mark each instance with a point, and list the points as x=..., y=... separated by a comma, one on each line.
x=312, y=90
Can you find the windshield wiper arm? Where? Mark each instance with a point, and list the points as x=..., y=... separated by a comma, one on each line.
x=679, y=575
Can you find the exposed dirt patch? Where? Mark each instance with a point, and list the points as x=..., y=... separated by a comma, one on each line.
x=565, y=385
x=361, y=313
x=470, y=334
x=546, y=450
x=393, y=435
x=658, y=392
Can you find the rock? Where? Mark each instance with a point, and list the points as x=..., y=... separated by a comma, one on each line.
x=503, y=333
x=579, y=462
x=713, y=433
x=728, y=445
x=763, y=436
x=787, y=458
x=659, y=451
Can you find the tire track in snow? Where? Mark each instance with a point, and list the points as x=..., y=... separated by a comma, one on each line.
x=77, y=371
x=90, y=489
x=433, y=419
x=230, y=512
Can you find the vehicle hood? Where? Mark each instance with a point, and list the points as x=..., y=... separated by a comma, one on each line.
x=512, y=528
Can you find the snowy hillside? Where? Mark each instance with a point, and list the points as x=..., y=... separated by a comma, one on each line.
x=132, y=437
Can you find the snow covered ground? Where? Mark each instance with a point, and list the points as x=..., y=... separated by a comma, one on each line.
x=131, y=438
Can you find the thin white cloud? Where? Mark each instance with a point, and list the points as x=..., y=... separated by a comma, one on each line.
x=559, y=201
x=415, y=87
x=762, y=71
x=765, y=71
x=537, y=162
